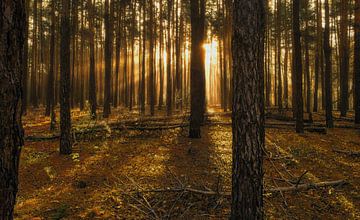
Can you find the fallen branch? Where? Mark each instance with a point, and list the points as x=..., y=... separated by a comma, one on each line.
x=301, y=187
x=350, y=153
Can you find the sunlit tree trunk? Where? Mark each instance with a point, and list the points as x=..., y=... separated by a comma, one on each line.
x=248, y=109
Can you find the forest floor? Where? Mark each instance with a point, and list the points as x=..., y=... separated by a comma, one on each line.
x=128, y=167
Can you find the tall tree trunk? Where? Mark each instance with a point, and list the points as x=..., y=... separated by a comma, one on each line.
x=357, y=62
x=344, y=56
x=318, y=54
x=328, y=67
x=143, y=71
x=132, y=42
x=50, y=83
x=82, y=75
x=197, y=68
x=168, y=62
x=117, y=56
x=12, y=42
x=26, y=60
x=297, y=68
x=92, y=78
x=33, y=91
x=151, y=57
x=108, y=56
x=278, y=56
x=161, y=68
x=248, y=109
x=65, y=114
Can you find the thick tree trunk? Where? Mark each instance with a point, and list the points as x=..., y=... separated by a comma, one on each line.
x=357, y=62
x=12, y=42
x=248, y=109
x=65, y=114
x=328, y=67
x=197, y=81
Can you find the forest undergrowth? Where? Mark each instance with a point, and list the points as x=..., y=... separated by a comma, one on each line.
x=131, y=167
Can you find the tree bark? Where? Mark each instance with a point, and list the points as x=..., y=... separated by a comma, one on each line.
x=344, y=58
x=357, y=62
x=169, y=83
x=197, y=81
x=12, y=48
x=248, y=109
x=50, y=83
x=65, y=114
x=328, y=67
x=108, y=56
x=92, y=79
x=297, y=68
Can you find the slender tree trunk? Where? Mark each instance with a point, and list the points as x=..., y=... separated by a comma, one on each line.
x=318, y=54
x=357, y=62
x=132, y=42
x=297, y=68
x=248, y=109
x=26, y=60
x=12, y=46
x=344, y=56
x=108, y=56
x=151, y=57
x=168, y=62
x=50, y=84
x=82, y=75
x=117, y=57
x=161, y=68
x=33, y=91
x=92, y=78
x=278, y=56
x=328, y=67
x=143, y=71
